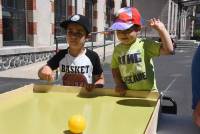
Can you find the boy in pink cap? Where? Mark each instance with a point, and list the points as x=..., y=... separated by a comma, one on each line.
x=132, y=65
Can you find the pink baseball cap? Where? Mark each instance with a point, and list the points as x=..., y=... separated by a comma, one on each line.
x=126, y=18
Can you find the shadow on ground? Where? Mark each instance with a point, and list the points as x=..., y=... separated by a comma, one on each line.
x=8, y=84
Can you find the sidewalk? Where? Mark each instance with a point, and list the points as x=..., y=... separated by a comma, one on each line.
x=30, y=71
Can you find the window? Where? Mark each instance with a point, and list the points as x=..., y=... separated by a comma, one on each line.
x=89, y=10
x=123, y=3
x=131, y=3
x=89, y=14
x=110, y=5
x=60, y=15
x=14, y=22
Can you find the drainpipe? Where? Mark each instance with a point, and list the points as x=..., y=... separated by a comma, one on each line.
x=75, y=6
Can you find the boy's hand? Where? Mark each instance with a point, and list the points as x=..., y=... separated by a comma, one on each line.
x=46, y=73
x=156, y=24
x=121, y=89
x=89, y=87
x=167, y=46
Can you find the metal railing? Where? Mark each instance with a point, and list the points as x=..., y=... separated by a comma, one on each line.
x=94, y=40
x=107, y=39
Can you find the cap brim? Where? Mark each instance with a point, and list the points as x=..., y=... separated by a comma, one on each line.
x=120, y=26
x=64, y=24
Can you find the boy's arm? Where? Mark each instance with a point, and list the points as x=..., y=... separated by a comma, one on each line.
x=195, y=71
x=120, y=85
x=117, y=76
x=99, y=80
x=167, y=46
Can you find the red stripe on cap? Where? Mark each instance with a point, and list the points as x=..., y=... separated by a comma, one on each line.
x=136, y=16
x=124, y=17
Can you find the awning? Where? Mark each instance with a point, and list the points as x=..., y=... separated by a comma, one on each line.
x=189, y=2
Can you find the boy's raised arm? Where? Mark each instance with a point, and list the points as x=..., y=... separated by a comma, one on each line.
x=167, y=46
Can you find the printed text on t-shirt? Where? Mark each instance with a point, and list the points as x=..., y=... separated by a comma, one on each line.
x=130, y=58
x=75, y=69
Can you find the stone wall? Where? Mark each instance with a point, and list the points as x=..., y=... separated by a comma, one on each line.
x=13, y=61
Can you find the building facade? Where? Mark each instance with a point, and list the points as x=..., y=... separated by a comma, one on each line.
x=28, y=27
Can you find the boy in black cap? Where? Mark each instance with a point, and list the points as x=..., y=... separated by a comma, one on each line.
x=78, y=66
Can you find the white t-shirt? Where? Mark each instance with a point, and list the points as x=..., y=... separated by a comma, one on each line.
x=87, y=63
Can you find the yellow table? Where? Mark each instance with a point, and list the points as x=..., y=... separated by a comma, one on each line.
x=23, y=111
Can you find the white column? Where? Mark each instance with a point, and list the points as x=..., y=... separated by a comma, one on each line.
x=176, y=17
x=172, y=18
x=169, y=16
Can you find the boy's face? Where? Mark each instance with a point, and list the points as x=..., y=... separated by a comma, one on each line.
x=76, y=35
x=128, y=36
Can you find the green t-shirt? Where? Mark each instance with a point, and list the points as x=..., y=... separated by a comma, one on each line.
x=135, y=63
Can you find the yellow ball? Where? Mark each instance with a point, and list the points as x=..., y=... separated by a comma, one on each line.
x=76, y=124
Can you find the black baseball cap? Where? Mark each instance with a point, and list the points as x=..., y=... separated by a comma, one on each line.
x=78, y=19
